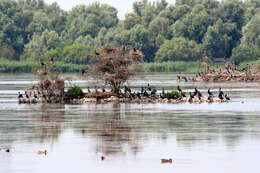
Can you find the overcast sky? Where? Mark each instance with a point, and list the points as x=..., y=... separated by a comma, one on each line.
x=123, y=6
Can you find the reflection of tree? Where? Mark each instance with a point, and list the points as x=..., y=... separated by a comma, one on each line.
x=48, y=119
x=112, y=133
x=33, y=123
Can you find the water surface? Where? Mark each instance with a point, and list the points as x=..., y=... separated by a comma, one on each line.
x=132, y=137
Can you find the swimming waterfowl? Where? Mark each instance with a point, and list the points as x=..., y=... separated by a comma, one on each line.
x=42, y=152
x=102, y=158
x=166, y=160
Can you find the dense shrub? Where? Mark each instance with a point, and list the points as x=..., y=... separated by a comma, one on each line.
x=75, y=92
x=172, y=95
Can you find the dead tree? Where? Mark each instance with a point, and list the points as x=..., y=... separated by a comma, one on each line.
x=115, y=65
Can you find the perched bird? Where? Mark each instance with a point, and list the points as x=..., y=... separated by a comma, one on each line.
x=148, y=87
x=20, y=95
x=26, y=94
x=103, y=89
x=221, y=94
x=42, y=63
x=209, y=92
x=163, y=91
x=97, y=53
x=7, y=150
x=51, y=60
x=139, y=95
x=134, y=49
x=179, y=89
x=226, y=97
x=142, y=90
x=89, y=90
x=154, y=91
x=83, y=71
x=198, y=93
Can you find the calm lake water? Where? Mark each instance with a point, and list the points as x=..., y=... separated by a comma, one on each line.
x=133, y=137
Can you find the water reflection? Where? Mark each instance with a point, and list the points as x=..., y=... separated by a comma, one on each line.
x=141, y=133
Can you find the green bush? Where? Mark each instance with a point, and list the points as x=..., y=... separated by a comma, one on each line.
x=244, y=53
x=75, y=92
x=173, y=95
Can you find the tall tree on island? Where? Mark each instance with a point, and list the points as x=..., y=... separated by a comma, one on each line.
x=115, y=65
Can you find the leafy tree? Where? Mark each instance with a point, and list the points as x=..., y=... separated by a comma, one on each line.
x=140, y=39
x=251, y=32
x=243, y=53
x=88, y=20
x=78, y=54
x=179, y=49
x=194, y=25
x=232, y=11
x=40, y=44
x=220, y=39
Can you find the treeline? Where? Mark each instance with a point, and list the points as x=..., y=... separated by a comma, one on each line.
x=31, y=29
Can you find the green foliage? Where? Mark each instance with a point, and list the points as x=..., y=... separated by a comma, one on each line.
x=32, y=29
x=172, y=95
x=78, y=54
x=244, y=53
x=251, y=32
x=179, y=49
x=75, y=92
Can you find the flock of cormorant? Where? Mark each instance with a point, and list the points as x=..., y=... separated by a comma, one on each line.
x=147, y=92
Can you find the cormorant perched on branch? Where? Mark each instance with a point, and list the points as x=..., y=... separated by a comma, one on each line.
x=134, y=49
x=42, y=63
x=83, y=71
x=51, y=60
x=198, y=92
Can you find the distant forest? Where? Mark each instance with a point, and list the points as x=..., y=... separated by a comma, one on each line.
x=32, y=29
